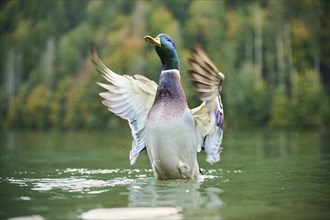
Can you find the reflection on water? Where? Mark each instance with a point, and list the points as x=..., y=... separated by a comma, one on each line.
x=166, y=213
x=176, y=193
x=142, y=190
x=283, y=175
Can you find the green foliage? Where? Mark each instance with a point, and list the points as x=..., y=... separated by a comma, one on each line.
x=248, y=101
x=37, y=108
x=308, y=107
x=58, y=104
x=307, y=100
x=274, y=54
x=281, y=111
x=14, y=114
x=79, y=112
x=205, y=16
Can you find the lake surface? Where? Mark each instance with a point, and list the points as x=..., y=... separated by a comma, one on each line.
x=262, y=174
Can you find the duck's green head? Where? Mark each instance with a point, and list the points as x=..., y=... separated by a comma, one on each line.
x=166, y=51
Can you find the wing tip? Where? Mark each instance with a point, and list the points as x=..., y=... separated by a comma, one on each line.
x=93, y=52
x=92, y=49
x=133, y=158
x=103, y=85
x=211, y=159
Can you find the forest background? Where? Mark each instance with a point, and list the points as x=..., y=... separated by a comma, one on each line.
x=274, y=54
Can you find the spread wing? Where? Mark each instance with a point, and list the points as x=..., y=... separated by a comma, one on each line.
x=209, y=116
x=130, y=98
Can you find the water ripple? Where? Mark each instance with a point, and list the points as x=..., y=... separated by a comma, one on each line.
x=71, y=184
x=91, y=181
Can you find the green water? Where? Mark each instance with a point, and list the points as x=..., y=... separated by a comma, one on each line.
x=262, y=175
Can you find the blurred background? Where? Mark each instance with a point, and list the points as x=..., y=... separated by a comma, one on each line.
x=274, y=54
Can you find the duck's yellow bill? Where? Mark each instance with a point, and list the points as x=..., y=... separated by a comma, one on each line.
x=153, y=41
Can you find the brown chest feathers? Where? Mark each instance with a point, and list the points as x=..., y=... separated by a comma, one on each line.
x=170, y=100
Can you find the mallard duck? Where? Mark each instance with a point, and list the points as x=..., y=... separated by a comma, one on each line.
x=159, y=117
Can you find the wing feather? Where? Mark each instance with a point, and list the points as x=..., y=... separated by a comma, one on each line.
x=209, y=116
x=128, y=97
